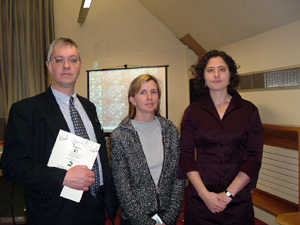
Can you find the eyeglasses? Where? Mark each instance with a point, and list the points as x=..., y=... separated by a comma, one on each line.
x=61, y=60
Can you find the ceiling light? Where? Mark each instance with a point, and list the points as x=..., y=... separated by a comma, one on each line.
x=84, y=9
x=87, y=3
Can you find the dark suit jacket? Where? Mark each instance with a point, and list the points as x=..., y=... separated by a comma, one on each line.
x=32, y=129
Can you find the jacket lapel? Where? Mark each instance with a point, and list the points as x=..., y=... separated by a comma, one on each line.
x=208, y=105
x=53, y=116
x=235, y=103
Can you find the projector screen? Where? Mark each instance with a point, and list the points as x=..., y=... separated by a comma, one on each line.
x=108, y=90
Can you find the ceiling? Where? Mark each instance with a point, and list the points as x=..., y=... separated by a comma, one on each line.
x=217, y=23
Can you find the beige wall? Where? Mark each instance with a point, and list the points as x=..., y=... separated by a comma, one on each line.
x=124, y=32
x=276, y=49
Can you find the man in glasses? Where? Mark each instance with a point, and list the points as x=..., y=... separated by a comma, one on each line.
x=32, y=129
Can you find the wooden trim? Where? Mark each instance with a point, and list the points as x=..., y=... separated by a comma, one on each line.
x=279, y=127
x=281, y=136
x=193, y=44
x=272, y=203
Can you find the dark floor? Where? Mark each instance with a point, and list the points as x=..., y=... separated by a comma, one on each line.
x=18, y=205
x=180, y=220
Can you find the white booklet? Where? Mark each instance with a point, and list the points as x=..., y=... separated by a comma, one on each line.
x=157, y=218
x=70, y=150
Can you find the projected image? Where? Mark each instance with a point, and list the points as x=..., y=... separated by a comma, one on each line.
x=108, y=91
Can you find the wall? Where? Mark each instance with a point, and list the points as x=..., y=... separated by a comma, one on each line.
x=124, y=32
x=276, y=49
x=272, y=50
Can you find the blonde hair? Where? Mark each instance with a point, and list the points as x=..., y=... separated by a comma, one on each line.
x=134, y=88
x=60, y=42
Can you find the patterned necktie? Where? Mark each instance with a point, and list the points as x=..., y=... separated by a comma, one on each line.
x=81, y=131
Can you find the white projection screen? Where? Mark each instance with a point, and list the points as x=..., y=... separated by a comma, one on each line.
x=108, y=89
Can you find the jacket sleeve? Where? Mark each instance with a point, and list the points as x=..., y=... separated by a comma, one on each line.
x=178, y=185
x=129, y=203
x=23, y=160
x=187, y=161
x=255, y=141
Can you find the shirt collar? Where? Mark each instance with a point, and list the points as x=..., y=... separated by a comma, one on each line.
x=63, y=97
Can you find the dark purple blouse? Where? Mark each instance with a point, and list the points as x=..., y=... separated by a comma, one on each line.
x=223, y=147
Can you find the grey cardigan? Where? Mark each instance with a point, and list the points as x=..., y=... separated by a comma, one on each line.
x=135, y=187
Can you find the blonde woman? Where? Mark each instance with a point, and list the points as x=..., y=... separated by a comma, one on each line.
x=144, y=157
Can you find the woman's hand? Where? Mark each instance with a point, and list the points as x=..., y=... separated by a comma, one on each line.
x=214, y=202
x=224, y=199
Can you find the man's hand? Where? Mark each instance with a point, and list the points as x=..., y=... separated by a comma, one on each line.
x=79, y=177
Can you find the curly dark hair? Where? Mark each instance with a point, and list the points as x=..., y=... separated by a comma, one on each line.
x=198, y=70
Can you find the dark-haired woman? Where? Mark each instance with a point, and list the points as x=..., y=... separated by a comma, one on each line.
x=221, y=147
x=144, y=157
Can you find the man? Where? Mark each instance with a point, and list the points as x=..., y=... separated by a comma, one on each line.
x=32, y=129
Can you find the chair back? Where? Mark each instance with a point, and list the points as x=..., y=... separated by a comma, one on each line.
x=2, y=128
